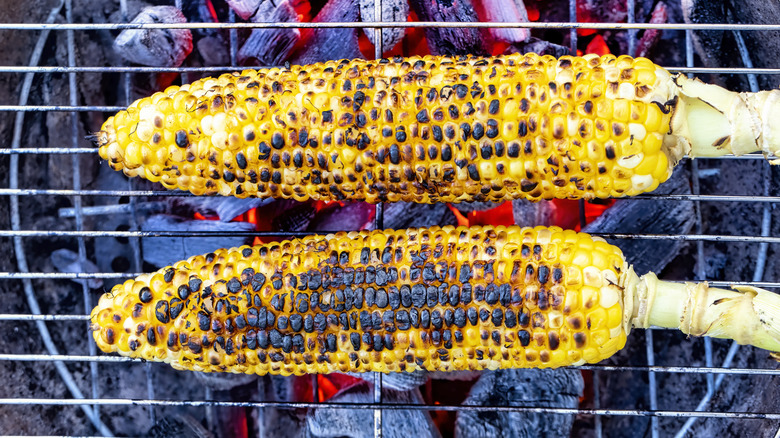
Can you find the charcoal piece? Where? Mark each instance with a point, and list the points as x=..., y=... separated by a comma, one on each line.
x=335, y=217
x=650, y=217
x=468, y=207
x=531, y=214
x=155, y=47
x=296, y=218
x=400, y=381
x=178, y=426
x=409, y=215
x=164, y=251
x=392, y=10
x=539, y=46
x=277, y=422
x=359, y=423
x=650, y=37
x=325, y=44
x=453, y=40
x=554, y=388
x=225, y=207
x=273, y=45
x=246, y=8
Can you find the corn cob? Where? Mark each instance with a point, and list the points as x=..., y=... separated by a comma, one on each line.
x=436, y=129
x=433, y=299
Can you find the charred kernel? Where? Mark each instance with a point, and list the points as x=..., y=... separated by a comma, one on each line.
x=145, y=295
x=263, y=340
x=543, y=274
x=553, y=340
x=308, y=323
x=557, y=275
x=473, y=173
x=183, y=291
x=354, y=338
x=176, y=306
x=484, y=314
x=491, y=297
x=436, y=319
x=204, y=322
x=400, y=135
x=496, y=336
x=425, y=318
x=277, y=141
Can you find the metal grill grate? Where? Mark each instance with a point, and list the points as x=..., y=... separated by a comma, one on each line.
x=90, y=400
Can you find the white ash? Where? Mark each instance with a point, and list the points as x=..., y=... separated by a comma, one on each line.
x=554, y=388
x=224, y=381
x=246, y=8
x=392, y=10
x=156, y=47
x=65, y=260
x=507, y=11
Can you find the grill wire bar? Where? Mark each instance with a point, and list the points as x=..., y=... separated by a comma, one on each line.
x=80, y=234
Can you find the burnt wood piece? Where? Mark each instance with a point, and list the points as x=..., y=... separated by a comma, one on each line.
x=550, y=388
x=270, y=46
x=650, y=37
x=321, y=45
x=633, y=216
x=452, y=40
x=359, y=423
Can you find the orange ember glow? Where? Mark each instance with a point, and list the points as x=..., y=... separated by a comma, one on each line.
x=598, y=46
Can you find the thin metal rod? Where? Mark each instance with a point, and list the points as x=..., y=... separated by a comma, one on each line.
x=597, y=403
x=20, y=254
x=379, y=222
x=630, y=19
x=31, y=357
x=652, y=385
x=194, y=234
x=76, y=180
x=137, y=193
x=393, y=406
x=573, y=30
x=391, y=24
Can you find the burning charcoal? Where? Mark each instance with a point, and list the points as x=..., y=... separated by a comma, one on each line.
x=559, y=388
x=409, y=215
x=392, y=10
x=352, y=216
x=65, y=260
x=224, y=381
x=226, y=208
x=531, y=214
x=359, y=423
x=163, y=251
x=468, y=207
x=296, y=218
x=271, y=46
x=326, y=44
x=604, y=11
x=403, y=381
x=651, y=36
x=178, y=426
x=453, y=40
x=650, y=217
x=156, y=47
x=506, y=11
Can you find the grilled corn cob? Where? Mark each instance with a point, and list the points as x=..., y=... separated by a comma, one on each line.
x=436, y=129
x=433, y=299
